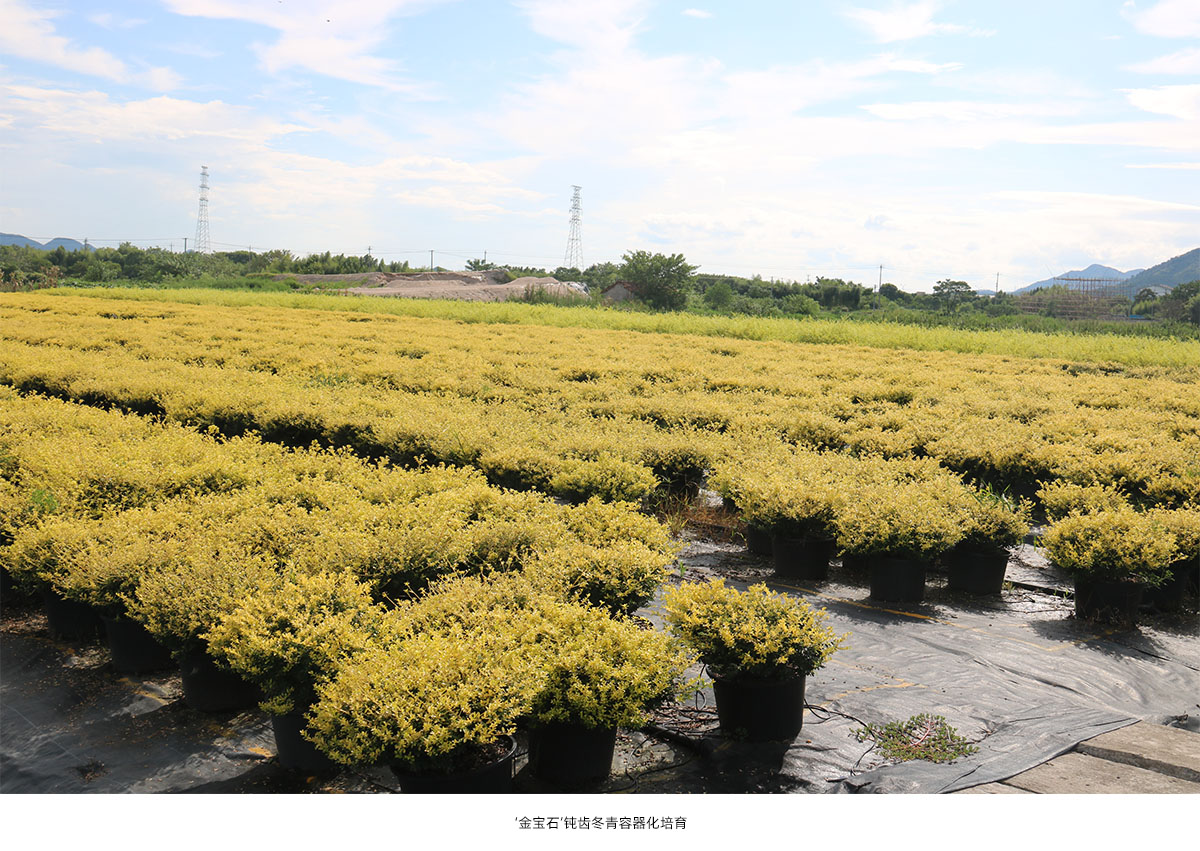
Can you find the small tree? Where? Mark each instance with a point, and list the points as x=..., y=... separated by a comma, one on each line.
x=661, y=281
x=600, y=275
x=952, y=293
x=718, y=296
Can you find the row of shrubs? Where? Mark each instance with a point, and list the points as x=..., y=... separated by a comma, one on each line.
x=917, y=509
x=581, y=412
x=172, y=526
x=410, y=616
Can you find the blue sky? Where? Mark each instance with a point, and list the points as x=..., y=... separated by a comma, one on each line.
x=938, y=138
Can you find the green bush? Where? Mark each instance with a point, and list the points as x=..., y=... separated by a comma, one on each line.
x=1184, y=525
x=431, y=703
x=1063, y=498
x=1113, y=544
x=990, y=520
x=906, y=520
x=620, y=577
x=602, y=673
x=294, y=633
x=753, y=634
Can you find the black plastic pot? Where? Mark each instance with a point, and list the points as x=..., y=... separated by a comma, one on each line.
x=760, y=710
x=1169, y=596
x=855, y=562
x=1112, y=600
x=801, y=558
x=70, y=619
x=491, y=779
x=758, y=540
x=292, y=749
x=134, y=650
x=897, y=580
x=976, y=571
x=8, y=585
x=571, y=754
x=209, y=688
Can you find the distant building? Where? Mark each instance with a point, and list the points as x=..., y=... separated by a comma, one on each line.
x=620, y=291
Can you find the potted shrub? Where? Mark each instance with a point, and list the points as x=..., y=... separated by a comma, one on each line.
x=290, y=636
x=201, y=582
x=83, y=568
x=802, y=540
x=899, y=530
x=759, y=647
x=619, y=577
x=598, y=674
x=438, y=707
x=37, y=556
x=1184, y=524
x=593, y=672
x=990, y=523
x=1113, y=556
x=1062, y=498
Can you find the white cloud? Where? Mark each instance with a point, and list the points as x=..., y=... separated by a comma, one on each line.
x=197, y=50
x=1166, y=18
x=1177, y=166
x=1081, y=201
x=965, y=110
x=697, y=13
x=95, y=115
x=109, y=21
x=1176, y=101
x=607, y=27
x=339, y=40
x=908, y=20
x=1186, y=61
x=30, y=34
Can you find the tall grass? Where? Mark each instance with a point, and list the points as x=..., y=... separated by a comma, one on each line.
x=1093, y=348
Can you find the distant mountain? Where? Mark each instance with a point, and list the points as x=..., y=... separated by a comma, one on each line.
x=17, y=239
x=68, y=244
x=1172, y=273
x=1093, y=271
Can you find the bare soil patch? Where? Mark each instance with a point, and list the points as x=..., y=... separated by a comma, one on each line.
x=491, y=285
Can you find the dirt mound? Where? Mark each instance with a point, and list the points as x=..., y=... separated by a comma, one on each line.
x=468, y=286
x=491, y=285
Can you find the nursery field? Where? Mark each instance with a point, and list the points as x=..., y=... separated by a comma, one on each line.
x=413, y=528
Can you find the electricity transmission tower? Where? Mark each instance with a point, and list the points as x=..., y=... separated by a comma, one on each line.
x=574, y=256
x=203, y=245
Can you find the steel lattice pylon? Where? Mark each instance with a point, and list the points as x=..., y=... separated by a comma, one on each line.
x=203, y=245
x=574, y=255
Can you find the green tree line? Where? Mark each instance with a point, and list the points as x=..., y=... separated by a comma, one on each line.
x=658, y=282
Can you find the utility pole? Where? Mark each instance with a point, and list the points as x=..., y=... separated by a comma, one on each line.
x=185, y=239
x=431, y=260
